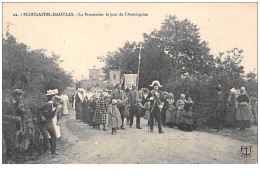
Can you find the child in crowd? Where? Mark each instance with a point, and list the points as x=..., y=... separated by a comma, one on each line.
x=114, y=117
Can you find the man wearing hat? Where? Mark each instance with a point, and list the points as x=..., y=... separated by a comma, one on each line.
x=13, y=110
x=156, y=104
x=121, y=98
x=135, y=102
x=46, y=114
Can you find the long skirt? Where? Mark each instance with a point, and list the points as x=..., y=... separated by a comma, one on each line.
x=163, y=116
x=179, y=114
x=85, y=114
x=170, y=117
x=187, y=123
x=78, y=111
x=242, y=116
x=113, y=122
x=65, y=110
x=90, y=119
x=100, y=118
x=56, y=127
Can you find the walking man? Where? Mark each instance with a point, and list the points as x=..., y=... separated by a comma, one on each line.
x=156, y=104
x=135, y=102
x=121, y=98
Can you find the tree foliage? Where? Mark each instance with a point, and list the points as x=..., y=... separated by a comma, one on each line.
x=31, y=70
x=177, y=57
x=168, y=53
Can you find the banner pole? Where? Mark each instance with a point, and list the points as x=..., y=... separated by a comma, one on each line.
x=139, y=58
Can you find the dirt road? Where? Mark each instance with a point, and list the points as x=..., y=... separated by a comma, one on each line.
x=81, y=144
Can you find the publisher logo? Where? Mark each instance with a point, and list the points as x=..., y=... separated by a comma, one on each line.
x=246, y=151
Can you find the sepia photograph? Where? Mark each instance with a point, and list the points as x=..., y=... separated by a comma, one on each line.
x=129, y=83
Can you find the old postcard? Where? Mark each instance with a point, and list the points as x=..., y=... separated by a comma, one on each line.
x=129, y=83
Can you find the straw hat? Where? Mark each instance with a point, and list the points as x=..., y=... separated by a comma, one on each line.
x=52, y=92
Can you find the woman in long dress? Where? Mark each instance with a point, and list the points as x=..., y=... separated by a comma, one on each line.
x=101, y=111
x=65, y=103
x=242, y=113
x=187, y=123
x=164, y=109
x=171, y=111
x=85, y=111
x=78, y=104
x=91, y=110
x=58, y=116
x=180, y=106
x=73, y=100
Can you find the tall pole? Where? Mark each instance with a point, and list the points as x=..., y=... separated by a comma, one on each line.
x=139, y=58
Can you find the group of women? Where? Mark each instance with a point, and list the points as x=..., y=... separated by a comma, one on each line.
x=238, y=113
x=91, y=107
x=178, y=114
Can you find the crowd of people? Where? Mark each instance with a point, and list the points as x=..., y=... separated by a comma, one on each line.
x=159, y=108
x=111, y=109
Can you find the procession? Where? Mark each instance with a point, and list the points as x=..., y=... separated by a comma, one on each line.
x=110, y=93
x=115, y=110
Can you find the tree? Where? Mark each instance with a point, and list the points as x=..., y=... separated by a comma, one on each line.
x=228, y=72
x=31, y=70
x=251, y=84
x=168, y=53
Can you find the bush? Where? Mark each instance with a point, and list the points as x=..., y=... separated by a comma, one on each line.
x=34, y=72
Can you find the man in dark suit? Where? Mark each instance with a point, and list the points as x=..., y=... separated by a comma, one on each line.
x=155, y=97
x=46, y=114
x=13, y=109
x=135, y=102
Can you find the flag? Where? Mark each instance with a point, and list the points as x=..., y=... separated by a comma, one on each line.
x=114, y=77
x=130, y=80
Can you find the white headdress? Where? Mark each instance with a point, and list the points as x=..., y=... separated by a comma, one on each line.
x=243, y=88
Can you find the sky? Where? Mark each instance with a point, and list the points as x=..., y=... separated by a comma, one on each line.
x=79, y=40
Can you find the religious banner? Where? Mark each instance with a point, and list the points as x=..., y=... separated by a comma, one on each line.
x=94, y=74
x=130, y=80
x=114, y=77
